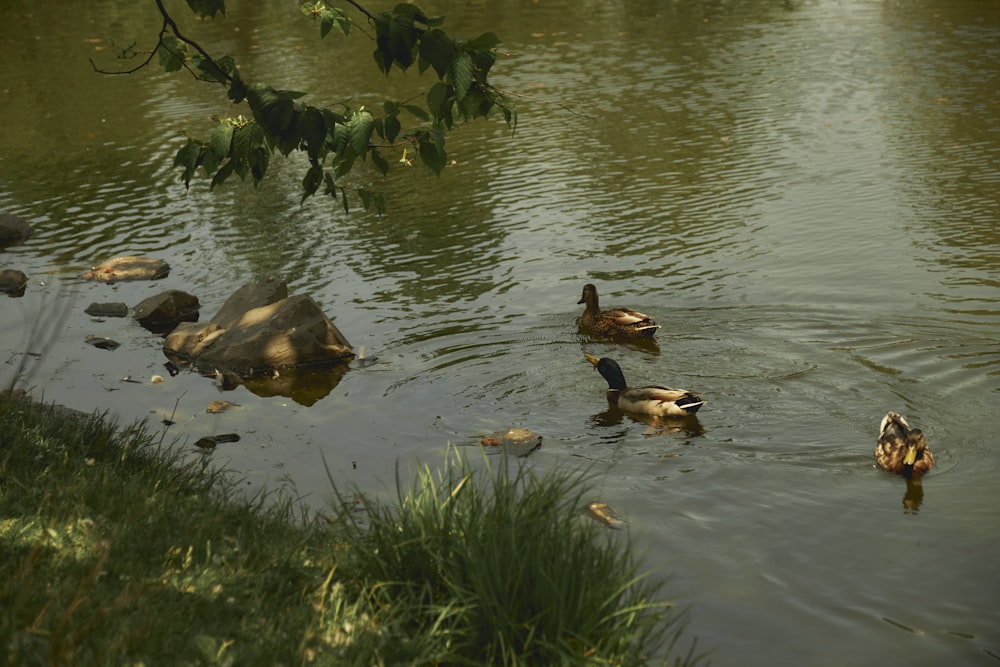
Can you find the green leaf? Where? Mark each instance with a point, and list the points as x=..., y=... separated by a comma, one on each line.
x=344, y=163
x=392, y=127
x=207, y=8
x=224, y=172
x=437, y=49
x=247, y=139
x=485, y=42
x=312, y=129
x=222, y=138
x=380, y=162
x=331, y=17
x=462, y=72
x=189, y=157
x=172, y=52
x=366, y=197
x=383, y=49
x=437, y=97
x=272, y=108
x=313, y=179
x=419, y=112
x=360, y=131
x=435, y=158
x=237, y=89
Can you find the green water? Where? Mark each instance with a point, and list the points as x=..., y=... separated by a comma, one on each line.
x=805, y=195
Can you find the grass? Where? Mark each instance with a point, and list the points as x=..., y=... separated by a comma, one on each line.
x=115, y=551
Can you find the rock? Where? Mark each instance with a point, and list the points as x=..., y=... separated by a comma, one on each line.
x=13, y=282
x=13, y=230
x=129, y=268
x=107, y=310
x=517, y=441
x=248, y=297
x=162, y=312
x=257, y=331
x=101, y=342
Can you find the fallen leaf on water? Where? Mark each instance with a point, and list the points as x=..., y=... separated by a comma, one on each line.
x=602, y=512
x=220, y=406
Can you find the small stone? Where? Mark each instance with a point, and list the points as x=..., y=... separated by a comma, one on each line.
x=102, y=343
x=107, y=310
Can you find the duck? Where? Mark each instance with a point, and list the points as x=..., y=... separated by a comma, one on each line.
x=614, y=322
x=902, y=449
x=650, y=400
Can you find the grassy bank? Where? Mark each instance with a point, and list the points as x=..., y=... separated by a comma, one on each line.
x=114, y=551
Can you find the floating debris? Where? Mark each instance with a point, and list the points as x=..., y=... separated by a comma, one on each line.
x=216, y=407
x=901, y=626
x=210, y=441
x=602, y=512
x=156, y=379
x=517, y=441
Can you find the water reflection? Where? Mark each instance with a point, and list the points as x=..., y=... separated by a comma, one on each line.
x=913, y=497
x=305, y=386
x=690, y=426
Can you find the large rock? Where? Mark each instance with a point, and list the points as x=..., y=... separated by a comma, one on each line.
x=259, y=330
x=128, y=268
x=13, y=230
x=162, y=312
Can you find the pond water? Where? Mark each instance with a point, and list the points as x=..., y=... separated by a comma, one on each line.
x=804, y=194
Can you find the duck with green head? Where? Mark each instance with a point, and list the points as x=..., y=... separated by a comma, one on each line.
x=614, y=322
x=902, y=449
x=650, y=400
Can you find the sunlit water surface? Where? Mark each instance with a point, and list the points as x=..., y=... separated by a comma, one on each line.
x=805, y=195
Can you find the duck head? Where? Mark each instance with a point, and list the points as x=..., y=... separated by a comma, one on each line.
x=610, y=370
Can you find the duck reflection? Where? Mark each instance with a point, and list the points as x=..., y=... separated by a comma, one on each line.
x=913, y=497
x=655, y=425
x=647, y=345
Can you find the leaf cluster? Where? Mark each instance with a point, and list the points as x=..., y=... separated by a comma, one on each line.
x=335, y=140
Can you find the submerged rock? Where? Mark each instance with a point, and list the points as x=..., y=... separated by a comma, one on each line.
x=13, y=230
x=128, y=268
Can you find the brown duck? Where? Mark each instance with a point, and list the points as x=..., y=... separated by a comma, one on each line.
x=614, y=322
x=902, y=449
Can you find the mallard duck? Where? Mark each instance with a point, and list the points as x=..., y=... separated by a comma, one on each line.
x=650, y=400
x=620, y=322
x=902, y=449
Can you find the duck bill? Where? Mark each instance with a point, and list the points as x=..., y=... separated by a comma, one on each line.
x=594, y=360
x=911, y=456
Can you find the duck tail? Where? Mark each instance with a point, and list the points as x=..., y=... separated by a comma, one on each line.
x=893, y=421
